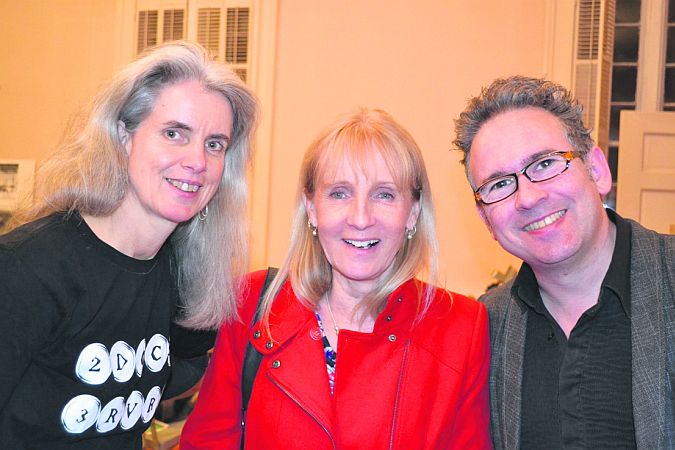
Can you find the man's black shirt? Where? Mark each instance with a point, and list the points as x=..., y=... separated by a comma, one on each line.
x=577, y=392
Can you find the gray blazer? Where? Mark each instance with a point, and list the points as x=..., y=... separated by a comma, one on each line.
x=653, y=345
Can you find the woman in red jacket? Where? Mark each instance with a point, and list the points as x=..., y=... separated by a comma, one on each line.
x=357, y=353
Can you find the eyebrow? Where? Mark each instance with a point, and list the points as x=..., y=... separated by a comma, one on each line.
x=186, y=127
x=523, y=163
x=179, y=125
x=222, y=136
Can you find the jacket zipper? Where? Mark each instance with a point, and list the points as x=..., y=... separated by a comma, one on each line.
x=316, y=419
x=398, y=393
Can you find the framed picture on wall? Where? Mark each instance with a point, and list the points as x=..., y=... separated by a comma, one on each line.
x=16, y=181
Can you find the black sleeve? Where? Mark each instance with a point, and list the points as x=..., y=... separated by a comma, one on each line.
x=188, y=343
x=189, y=358
x=185, y=373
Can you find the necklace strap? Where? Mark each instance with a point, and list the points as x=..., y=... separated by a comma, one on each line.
x=330, y=310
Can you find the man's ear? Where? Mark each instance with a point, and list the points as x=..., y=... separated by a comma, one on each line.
x=600, y=172
x=124, y=136
x=309, y=208
x=481, y=213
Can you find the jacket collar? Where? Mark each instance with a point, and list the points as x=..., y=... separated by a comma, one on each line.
x=289, y=316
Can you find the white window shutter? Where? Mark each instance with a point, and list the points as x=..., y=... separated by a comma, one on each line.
x=173, y=25
x=592, y=77
x=237, y=40
x=223, y=27
x=208, y=30
x=146, y=35
x=159, y=21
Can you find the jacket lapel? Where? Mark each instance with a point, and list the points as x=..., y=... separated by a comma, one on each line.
x=515, y=324
x=648, y=339
x=293, y=358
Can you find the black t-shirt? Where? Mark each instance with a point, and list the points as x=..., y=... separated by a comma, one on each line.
x=85, y=338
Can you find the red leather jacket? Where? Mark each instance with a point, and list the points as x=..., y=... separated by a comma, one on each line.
x=405, y=386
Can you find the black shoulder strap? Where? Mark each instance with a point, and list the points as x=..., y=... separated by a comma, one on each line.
x=252, y=357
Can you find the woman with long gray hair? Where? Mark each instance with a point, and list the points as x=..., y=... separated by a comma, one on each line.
x=136, y=237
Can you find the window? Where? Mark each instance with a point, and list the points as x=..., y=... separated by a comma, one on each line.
x=147, y=30
x=236, y=39
x=174, y=25
x=221, y=26
x=669, y=84
x=643, y=69
x=640, y=35
x=159, y=21
x=624, y=77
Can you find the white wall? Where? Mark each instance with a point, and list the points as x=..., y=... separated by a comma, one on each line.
x=419, y=60
x=55, y=54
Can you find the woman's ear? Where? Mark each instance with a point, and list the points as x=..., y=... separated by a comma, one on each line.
x=124, y=136
x=414, y=215
x=309, y=208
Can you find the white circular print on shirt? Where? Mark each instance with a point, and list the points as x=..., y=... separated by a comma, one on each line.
x=140, y=351
x=80, y=413
x=156, y=352
x=122, y=361
x=93, y=364
x=132, y=410
x=151, y=403
x=110, y=415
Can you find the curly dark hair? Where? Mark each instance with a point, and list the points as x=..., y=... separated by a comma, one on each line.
x=517, y=92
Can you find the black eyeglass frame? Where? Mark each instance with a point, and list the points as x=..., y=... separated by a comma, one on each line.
x=569, y=155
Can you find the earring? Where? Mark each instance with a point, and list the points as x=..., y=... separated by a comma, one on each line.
x=203, y=213
x=313, y=228
x=410, y=232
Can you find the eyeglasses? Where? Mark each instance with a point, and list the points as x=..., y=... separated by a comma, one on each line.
x=542, y=169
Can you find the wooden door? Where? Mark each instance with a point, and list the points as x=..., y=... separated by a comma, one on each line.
x=646, y=175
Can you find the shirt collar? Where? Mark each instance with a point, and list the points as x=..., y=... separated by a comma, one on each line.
x=617, y=278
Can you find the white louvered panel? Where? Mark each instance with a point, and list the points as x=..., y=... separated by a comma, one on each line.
x=592, y=77
x=174, y=25
x=147, y=30
x=608, y=30
x=604, y=100
x=605, y=82
x=236, y=35
x=588, y=29
x=585, y=88
x=208, y=29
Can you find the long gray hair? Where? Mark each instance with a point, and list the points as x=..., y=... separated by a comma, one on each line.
x=88, y=173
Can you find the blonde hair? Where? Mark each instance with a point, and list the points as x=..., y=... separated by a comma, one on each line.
x=354, y=138
x=88, y=173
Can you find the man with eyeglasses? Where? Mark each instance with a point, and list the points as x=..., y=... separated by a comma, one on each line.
x=583, y=344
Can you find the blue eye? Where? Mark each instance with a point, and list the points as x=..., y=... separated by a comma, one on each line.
x=172, y=134
x=338, y=195
x=544, y=164
x=385, y=195
x=215, y=146
x=500, y=184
